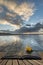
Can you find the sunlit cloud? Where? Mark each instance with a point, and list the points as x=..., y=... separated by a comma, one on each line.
x=25, y=10
x=16, y=14
x=10, y=16
x=5, y=23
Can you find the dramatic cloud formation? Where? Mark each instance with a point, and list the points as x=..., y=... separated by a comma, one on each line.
x=25, y=10
x=9, y=16
x=16, y=12
x=7, y=26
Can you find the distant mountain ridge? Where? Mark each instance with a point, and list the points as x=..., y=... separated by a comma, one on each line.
x=35, y=28
x=25, y=29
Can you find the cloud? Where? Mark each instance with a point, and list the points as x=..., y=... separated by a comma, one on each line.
x=8, y=25
x=16, y=12
x=15, y=20
x=9, y=16
x=25, y=9
x=3, y=22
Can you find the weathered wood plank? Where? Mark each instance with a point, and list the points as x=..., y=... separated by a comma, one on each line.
x=38, y=62
x=3, y=62
x=26, y=63
x=20, y=62
x=29, y=62
x=34, y=63
x=9, y=62
x=41, y=54
x=41, y=61
x=15, y=62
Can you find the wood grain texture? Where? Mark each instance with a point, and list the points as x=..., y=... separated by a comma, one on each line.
x=21, y=62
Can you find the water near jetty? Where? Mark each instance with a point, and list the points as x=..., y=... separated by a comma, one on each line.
x=16, y=44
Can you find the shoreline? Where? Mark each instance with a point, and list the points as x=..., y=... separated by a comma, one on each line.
x=29, y=33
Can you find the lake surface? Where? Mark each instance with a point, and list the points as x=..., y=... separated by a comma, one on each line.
x=16, y=44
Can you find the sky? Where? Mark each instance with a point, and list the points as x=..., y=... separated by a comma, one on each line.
x=15, y=14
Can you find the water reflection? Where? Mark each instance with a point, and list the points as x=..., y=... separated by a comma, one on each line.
x=16, y=44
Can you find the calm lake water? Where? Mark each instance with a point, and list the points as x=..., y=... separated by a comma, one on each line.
x=17, y=43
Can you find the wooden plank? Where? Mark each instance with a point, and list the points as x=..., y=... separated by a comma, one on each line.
x=38, y=62
x=3, y=62
x=32, y=62
x=15, y=62
x=9, y=62
x=41, y=61
x=26, y=63
x=41, y=54
x=20, y=62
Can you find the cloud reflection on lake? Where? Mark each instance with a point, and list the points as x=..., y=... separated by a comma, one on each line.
x=34, y=41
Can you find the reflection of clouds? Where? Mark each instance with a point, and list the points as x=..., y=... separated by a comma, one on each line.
x=1, y=9
x=41, y=40
x=16, y=38
x=41, y=37
x=5, y=38
x=34, y=42
x=9, y=39
x=16, y=41
x=30, y=42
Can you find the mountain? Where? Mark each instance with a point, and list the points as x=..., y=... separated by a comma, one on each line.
x=39, y=25
x=34, y=28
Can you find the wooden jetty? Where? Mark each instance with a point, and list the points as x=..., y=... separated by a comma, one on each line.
x=20, y=62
